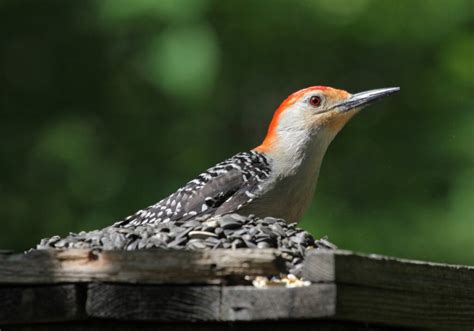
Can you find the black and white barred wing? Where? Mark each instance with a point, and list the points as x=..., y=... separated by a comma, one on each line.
x=225, y=188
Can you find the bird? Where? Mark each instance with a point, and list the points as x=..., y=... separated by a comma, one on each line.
x=278, y=177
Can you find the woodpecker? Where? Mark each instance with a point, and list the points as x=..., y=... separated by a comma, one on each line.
x=277, y=178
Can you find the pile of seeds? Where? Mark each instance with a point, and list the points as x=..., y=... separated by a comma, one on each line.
x=228, y=231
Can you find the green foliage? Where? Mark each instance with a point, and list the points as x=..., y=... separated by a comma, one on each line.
x=108, y=106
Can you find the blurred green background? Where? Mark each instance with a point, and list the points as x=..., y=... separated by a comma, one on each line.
x=108, y=106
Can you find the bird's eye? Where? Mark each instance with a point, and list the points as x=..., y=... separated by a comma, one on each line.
x=315, y=101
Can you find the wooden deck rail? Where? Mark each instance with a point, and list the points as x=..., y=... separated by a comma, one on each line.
x=84, y=289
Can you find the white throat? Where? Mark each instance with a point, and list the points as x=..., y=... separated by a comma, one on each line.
x=296, y=163
x=300, y=152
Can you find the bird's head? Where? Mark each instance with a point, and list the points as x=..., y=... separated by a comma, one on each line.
x=315, y=111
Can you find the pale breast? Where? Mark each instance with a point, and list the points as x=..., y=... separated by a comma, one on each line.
x=288, y=197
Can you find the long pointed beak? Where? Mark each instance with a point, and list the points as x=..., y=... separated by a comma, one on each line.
x=364, y=98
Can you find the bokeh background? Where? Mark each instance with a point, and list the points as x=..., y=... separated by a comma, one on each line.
x=108, y=106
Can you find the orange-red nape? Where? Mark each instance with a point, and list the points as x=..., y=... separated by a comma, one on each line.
x=292, y=98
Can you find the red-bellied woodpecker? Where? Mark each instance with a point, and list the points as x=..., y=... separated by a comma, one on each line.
x=277, y=178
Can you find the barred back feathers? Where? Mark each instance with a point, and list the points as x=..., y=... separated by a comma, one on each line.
x=224, y=188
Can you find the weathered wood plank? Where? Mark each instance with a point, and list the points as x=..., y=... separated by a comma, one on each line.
x=403, y=308
x=316, y=325
x=27, y=304
x=344, y=267
x=246, y=303
x=353, y=287
x=153, y=302
x=209, y=303
x=143, y=266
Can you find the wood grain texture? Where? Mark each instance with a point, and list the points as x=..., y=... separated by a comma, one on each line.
x=316, y=325
x=153, y=302
x=23, y=304
x=209, y=303
x=404, y=308
x=246, y=303
x=142, y=266
x=344, y=267
x=347, y=286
